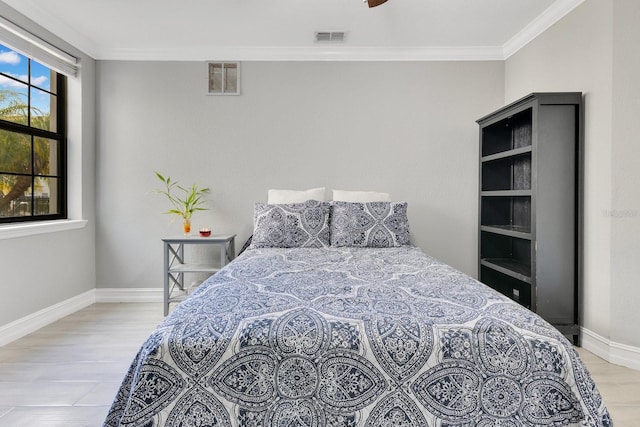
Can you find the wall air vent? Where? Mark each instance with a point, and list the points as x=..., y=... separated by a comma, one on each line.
x=330, y=36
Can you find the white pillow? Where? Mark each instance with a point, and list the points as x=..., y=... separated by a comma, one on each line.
x=279, y=197
x=360, y=196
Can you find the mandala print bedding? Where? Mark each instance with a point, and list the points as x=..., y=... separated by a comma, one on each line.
x=351, y=337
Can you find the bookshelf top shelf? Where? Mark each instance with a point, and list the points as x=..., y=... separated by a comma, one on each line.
x=511, y=133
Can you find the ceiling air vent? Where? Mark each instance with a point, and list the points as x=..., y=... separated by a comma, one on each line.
x=330, y=36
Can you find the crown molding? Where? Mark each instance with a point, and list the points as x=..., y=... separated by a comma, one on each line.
x=313, y=53
x=550, y=16
x=543, y=22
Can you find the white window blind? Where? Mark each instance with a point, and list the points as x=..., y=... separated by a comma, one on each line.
x=34, y=47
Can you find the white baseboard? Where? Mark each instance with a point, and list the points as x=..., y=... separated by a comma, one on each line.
x=129, y=294
x=31, y=323
x=613, y=352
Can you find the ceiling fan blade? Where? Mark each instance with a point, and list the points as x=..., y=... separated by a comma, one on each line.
x=374, y=3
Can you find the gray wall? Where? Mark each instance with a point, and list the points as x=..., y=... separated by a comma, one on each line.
x=42, y=270
x=582, y=52
x=405, y=128
x=625, y=206
x=399, y=127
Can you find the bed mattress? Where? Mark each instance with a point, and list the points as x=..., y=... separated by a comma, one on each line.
x=353, y=337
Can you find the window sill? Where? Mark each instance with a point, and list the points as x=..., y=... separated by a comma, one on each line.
x=10, y=231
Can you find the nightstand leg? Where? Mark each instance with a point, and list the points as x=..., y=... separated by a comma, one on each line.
x=166, y=279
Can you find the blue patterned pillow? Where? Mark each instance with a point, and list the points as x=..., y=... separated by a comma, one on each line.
x=375, y=224
x=294, y=225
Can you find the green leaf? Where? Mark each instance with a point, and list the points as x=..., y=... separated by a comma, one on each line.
x=185, y=204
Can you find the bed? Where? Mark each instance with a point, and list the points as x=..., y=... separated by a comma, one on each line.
x=330, y=333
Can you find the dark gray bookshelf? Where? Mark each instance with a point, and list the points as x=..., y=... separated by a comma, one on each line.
x=529, y=205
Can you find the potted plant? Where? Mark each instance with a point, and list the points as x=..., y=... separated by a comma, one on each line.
x=185, y=200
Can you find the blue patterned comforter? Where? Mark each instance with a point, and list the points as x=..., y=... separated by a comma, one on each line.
x=353, y=337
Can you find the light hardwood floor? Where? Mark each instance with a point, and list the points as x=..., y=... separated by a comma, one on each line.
x=67, y=373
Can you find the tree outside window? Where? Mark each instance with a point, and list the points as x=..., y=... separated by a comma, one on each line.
x=32, y=140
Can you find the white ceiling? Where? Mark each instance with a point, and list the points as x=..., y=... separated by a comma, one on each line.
x=285, y=29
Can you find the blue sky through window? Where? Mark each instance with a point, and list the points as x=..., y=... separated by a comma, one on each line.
x=16, y=65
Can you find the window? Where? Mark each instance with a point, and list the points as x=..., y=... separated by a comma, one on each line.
x=32, y=140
